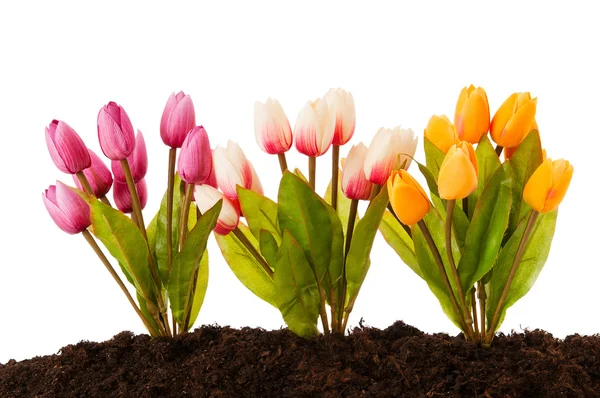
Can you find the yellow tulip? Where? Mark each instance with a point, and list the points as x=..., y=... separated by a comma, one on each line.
x=548, y=185
x=441, y=133
x=472, y=115
x=458, y=172
x=407, y=197
x=514, y=120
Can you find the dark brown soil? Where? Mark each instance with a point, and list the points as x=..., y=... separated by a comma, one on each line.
x=399, y=361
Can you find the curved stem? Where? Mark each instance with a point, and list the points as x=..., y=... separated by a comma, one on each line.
x=170, y=189
x=499, y=149
x=240, y=235
x=312, y=171
x=335, y=164
x=282, y=162
x=85, y=183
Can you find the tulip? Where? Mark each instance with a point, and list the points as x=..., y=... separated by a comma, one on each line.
x=115, y=132
x=472, y=115
x=548, y=185
x=177, y=120
x=458, y=172
x=122, y=195
x=212, y=178
x=514, y=120
x=390, y=149
x=232, y=169
x=195, y=160
x=407, y=197
x=68, y=210
x=271, y=127
x=138, y=162
x=354, y=182
x=342, y=103
x=441, y=133
x=314, y=128
x=256, y=185
x=98, y=175
x=206, y=197
x=67, y=150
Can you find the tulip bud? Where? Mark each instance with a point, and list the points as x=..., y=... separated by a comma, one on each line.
x=177, y=120
x=115, y=132
x=342, y=103
x=514, y=120
x=98, y=175
x=122, y=195
x=458, y=173
x=67, y=150
x=441, y=133
x=472, y=115
x=232, y=169
x=314, y=128
x=256, y=185
x=195, y=160
x=407, y=197
x=212, y=177
x=138, y=162
x=68, y=210
x=206, y=197
x=390, y=149
x=271, y=127
x=548, y=185
x=354, y=182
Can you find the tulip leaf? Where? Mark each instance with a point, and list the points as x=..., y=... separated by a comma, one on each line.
x=260, y=213
x=268, y=247
x=485, y=234
x=187, y=262
x=317, y=228
x=161, y=231
x=151, y=233
x=343, y=203
x=459, y=219
x=399, y=240
x=433, y=157
x=297, y=292
x=144, y=308
x=245, y=267
x=487, y=162
x=530, y=266
x=430, y=178
x=299, y=173
x=199, y=290
x=357, y=260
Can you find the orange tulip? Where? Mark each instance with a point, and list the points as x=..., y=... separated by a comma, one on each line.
x=548, y=185
x=407, y=197
x=441, y=133
x=458, y=172
x=472, y=115
x=514, y=120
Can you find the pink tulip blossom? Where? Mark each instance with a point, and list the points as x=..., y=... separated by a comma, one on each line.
x=68, y=210
x=232, y=169
x=206, y=197
x=272, y=128
x=123, y=198
x=342, y=104
x=314, y=128
x=390, y=149
x=195, y=162
x=256, y=185
x=177, y=120
x=354, y=182
x=98, y=175
x=115, y=132
x=138, y=162
x=67, y=150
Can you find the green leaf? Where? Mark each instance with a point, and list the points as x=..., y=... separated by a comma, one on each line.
x=297, y=292
x=244, y=265
x=459, y=219
x=399, y=240
x=144, y=308
x=187, y=262
x=343, y=204
x=488, y=162
x=260, y=213
x=161, y=231
x=433, y=157
x=485, y=234
x=318, y=230
x=151, y=233
x=200, y=289
x=268, y=247
x=298, y=173
x=532, y=262
x=430, y=178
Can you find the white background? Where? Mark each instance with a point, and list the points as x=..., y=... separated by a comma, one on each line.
x=402, y=63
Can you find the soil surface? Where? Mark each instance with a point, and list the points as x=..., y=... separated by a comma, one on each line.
x=399, y=361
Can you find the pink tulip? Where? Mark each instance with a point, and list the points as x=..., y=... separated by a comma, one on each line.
x=390, y=149
x=67, y=150
x=68, y=210
x=115, y=132
x=272, y=128
x=232, y=169
x=138, y=162
x=98, y=175
x=256, y=185
x=206, y=197
x=354, y=182
x=177, y=120
x=314, y=128
x=195, y=160
x=123, y=198
x=342, y=103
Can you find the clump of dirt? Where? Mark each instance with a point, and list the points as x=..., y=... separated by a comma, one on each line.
x=399, y=361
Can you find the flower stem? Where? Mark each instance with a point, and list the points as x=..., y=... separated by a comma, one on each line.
x=465, y=206
x=499, y=149
x=282, y=162
x=404, y=226
x=513, y=270
x=88, y=237
x=105, y=200
x=240, y=235
x=170, y=189
x=481, y=295
x=474, y=311
x=351, y=221
x=312, y=171
x=335, y=170
x=85, y=183
x=185, y=214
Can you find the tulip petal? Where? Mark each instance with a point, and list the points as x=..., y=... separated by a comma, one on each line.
x=539, y=186
x=560, y=186
x=519, y=125
x=457, y=177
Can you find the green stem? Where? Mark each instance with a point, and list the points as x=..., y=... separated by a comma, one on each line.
x=374, y=192
x=170, y=190
x=240, y=235
x=349, y=232
x=465, y=206
x=474, y=311
x=282, y=162
x=185, y=214
x=499, y=149
x=481, y=295
x=312, y=171
x=335, y=170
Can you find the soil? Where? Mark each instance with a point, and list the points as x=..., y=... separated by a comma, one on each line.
x=399, y=361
